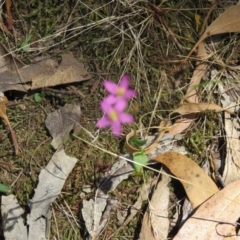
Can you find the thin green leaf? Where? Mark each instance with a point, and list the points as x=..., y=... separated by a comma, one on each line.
x=4, y=189
x=25, y=45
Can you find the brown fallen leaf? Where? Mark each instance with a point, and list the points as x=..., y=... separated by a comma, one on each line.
x=182, y=124
x=52, y=74
x=216, y=218
x=189, y=113
x=191, y=94
x=45, y=73
x=227, y=22
x=187, y=108
x=3, y=115
x=197, y=184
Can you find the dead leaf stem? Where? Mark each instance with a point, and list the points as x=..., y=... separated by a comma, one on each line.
x=14, y=138
x=4, y=116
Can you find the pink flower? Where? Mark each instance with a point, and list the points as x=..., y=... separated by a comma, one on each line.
x=115, y=115
x=114, y=105
x=121, y=90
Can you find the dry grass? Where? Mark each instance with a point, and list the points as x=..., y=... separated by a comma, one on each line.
x=146, y=39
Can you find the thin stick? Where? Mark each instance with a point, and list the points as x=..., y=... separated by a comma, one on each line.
x=13, y=134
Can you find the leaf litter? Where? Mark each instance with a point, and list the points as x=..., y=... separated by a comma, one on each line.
x=44, y=73
x=198, y=185
x=59, y=123
x=12, y=213
x=231, y=171
x=94, y=209
x=227, y=22
x=200, y=189
x=216, y=218
x=155, y=224
x=51, y=180
x=196, y=192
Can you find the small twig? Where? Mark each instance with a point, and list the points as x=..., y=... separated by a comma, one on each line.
x=9, y=166
x=17, y=178
x=9, y=15
x=14, y=138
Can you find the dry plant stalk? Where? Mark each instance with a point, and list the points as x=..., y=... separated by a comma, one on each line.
x=9, y=14
x=3, y=115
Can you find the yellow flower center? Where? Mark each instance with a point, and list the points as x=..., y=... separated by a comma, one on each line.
x=120, y=91
x=113, y=115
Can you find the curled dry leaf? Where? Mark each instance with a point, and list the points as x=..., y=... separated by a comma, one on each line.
x=182, y=124
x=3, y=114
x=216, y=218
x=164, y=125
x=197, y=184
x=188, y=111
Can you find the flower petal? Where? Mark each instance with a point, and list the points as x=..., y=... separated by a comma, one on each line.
x=105, y=106
x=124, y=82
x=125, y=117
x=110, y=86
x=116, y=128
x=110, y=99
x=130, y=93
x=120, y=105
x=103, y=122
